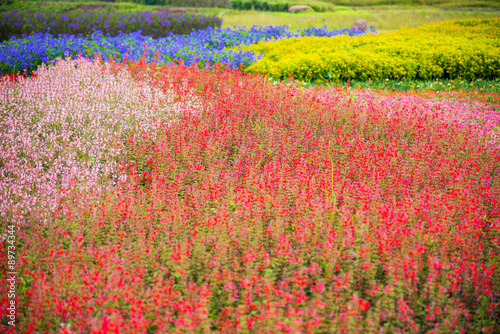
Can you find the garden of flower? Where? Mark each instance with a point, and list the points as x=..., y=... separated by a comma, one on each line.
x=161, y=173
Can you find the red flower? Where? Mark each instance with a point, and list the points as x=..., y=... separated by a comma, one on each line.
x=363, y=304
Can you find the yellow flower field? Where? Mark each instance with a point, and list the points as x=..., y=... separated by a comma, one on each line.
x=450, y=49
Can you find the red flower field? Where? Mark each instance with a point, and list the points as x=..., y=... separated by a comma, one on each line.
x=273, y=208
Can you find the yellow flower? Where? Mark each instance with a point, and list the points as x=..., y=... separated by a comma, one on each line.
x=432, y=51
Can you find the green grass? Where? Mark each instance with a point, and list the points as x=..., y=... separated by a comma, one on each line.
x=484, y=86
x=55, y=6
x=438, y=85
x=487, y=91
x=434, y=3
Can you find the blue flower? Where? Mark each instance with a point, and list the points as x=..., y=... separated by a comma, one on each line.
x=208, y=46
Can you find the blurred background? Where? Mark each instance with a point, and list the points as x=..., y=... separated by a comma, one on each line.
x=384, y=15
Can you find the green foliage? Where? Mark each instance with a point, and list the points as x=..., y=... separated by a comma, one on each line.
x=440, y=3
x=176, y=3
x=71, y=6
x=116, y=5
x=281, y=5
x=277, y=6
x=197, y=3
x=479, y=86
x=152, y=2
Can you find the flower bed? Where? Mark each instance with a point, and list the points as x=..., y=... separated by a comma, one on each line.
x=266, y=208
x=205, y=47
x=152, y=24
x=462, y=48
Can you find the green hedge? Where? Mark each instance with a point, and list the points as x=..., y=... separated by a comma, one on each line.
x=281, y=5
x=437, y=3
x=197, y=3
